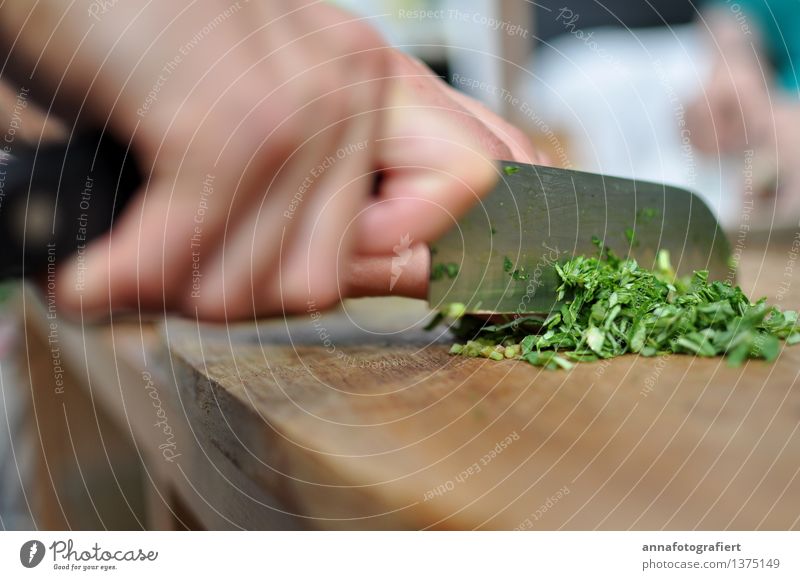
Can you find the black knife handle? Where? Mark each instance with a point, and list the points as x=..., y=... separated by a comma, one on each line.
x=55, y=198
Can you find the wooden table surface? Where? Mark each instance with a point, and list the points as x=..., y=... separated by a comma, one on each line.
x=359, y=419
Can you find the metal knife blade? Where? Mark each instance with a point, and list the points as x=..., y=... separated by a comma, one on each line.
x=499, y=258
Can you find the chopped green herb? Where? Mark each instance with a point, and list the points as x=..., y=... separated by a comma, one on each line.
x=456, y=349
x=6, y=289
x=454, y=310
x=647, y=214
x=630, y=235
x=610, y=307
x=510, y=169
x=436, y=321
x=439, y=271
x=519, y=274
x=515, y=273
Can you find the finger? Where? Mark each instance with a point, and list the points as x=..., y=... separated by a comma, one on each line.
x=432, y=174
x=405, y=273
x=699, y=120
x=316, y=251
x=235, y=273
x=518, y=146
x=471, y=116
x=142, y=260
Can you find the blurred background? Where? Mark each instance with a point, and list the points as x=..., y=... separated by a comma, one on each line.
x=697, y=94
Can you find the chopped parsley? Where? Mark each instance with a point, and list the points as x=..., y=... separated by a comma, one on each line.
x=647, y=214
x=510, y=169
x=519, y=274
x=612, y=306
x=439, y=271
x=515, y=273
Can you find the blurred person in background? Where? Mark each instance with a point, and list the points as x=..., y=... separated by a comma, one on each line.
x=700, y=95
x=751, y=98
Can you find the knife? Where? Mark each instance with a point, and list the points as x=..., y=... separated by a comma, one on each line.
x=498, y=258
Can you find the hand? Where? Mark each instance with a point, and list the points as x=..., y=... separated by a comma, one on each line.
x=424, y=96
x=734, y=110
x=261, y=135
x=421, y=98
x=24, y=120
x=485, y=128
x=780, y=204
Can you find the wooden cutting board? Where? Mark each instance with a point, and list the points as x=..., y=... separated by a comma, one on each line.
x=358, y=419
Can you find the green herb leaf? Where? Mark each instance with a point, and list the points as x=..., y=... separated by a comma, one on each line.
x=612, y=306
x=440, y=270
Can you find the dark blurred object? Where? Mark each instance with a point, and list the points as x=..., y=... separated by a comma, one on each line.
x=56, y=198
x=440, y=68
x=554, y=17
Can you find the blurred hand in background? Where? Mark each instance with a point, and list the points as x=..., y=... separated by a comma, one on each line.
x=734, y=111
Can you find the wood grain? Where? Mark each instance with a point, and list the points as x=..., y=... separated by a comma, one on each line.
x=358, y=419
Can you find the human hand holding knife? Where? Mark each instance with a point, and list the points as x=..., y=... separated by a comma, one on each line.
x=496, y=259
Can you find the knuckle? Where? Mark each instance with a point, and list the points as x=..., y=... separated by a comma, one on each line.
x=151, y=286
x=356, y=38
x=364, y=57
x=495, y=147
x=308, y=296
x=204, y=309
x=209, y=304
x=519, y=137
